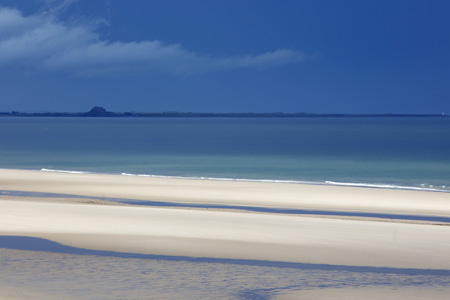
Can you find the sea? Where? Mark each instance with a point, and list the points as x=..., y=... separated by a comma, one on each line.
x=377, y=152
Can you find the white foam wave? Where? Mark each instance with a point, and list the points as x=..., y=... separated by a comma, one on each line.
x=423, y=187
x=349, y=184
x=221, y=178
x=388, y=186
x=64, y=171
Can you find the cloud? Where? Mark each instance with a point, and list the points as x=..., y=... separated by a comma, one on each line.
x=41, y=42
x=56, y=6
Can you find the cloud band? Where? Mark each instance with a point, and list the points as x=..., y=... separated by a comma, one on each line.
x=42, y=42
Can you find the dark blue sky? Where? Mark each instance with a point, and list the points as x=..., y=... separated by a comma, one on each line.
x=371, y=56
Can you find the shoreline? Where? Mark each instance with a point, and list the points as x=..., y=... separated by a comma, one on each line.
x=326, y=182
x=277, y=195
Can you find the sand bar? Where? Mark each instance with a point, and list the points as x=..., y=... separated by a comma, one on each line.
x=223, y=234
x=278, y=195
x=230, y=235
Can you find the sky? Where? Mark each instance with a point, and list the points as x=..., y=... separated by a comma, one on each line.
x=315, y=56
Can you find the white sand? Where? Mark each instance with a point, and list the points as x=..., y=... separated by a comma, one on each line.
x=280, y=195
x=203, y=233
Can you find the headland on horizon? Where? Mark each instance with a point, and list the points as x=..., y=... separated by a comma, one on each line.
x=98, y=111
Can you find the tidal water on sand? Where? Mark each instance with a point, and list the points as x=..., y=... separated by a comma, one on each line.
x=61, y=272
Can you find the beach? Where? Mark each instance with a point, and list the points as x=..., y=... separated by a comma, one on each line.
x=217, y=150
x=95, y=223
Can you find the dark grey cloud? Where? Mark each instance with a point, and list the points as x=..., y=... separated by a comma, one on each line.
x=42, y=42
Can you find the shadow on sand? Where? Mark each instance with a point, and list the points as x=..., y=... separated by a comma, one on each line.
x=39, y=244
x=235, y=207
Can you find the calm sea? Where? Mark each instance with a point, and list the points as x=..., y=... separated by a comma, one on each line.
x=390, y=152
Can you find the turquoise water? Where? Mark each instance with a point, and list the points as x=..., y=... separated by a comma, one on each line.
x=410, y=152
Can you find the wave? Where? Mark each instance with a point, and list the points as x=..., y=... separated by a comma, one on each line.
x=65, y=171
x=327, y=182
x=423, y=187
x=222, y=178
x=389, y=186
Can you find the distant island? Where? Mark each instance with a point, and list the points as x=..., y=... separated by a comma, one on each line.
x=98, y=111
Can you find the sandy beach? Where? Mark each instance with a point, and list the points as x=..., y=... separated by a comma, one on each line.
x=229, y=234
x=278, y=195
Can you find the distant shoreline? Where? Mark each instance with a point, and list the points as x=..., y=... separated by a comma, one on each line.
x=102, y=113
